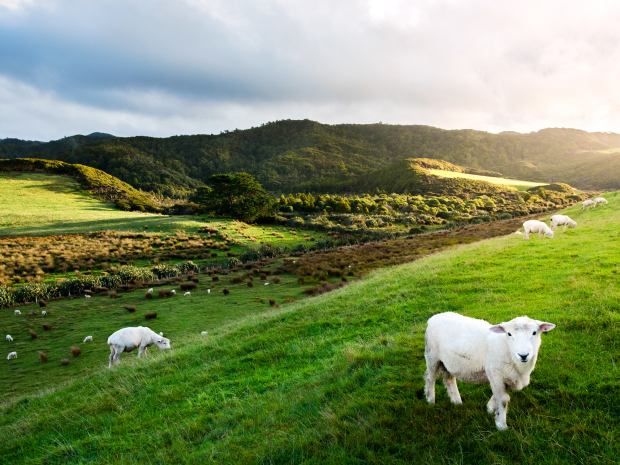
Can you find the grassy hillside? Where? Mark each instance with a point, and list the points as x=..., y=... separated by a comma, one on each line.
x=521, y=185
x=284, y=154
x=338, y=378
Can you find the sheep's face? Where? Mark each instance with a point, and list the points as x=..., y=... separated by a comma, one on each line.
x=162, y=343
x=550, y=234
x=523, y=337
x=572, y=224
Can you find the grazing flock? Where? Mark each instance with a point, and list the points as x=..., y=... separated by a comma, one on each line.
x=456, y=347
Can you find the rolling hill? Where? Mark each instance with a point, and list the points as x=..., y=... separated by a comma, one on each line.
x=338, y=378
x=286, y=154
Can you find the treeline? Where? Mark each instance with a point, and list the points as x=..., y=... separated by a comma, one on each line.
x=285, y=155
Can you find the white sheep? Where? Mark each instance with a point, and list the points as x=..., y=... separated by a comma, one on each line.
x=17, y=312
x=562, y=220
x=150, y=291
x=12, y=355
x=587, y=204
x=474, y=351
x=87, y=296
x=266, y=284
x=187, y=294
x=43, y=313
x=88, y=338
x=600, y=200
x=9, y=338
x=204, y=333
x=518, y=232
x=128, y=339
x=173, y=291
x=208, y=291
x=536, y=226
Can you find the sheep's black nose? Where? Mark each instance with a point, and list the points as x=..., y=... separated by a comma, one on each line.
x=524, y=357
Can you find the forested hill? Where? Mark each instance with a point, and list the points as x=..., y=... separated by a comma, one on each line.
x=284, y=154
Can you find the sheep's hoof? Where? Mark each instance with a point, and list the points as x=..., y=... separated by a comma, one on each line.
x=501, y=427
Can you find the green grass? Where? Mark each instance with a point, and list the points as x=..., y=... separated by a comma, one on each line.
x=521, y=185
x=338, y=378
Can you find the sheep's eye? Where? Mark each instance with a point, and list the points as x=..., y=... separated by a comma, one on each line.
x=534, y=333
x=509, y=334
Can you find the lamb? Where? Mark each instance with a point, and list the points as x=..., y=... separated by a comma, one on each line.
x=9, y=338
x=208, y=291
x=128, y=339
x=562, y=220
x=518, y=233
x=536, y=226
x=87, y=296
x=43, y=313
x=187, y=294
x=173, y=291
x=204, y=333
x=587, y=204
x=600, y=200
x=88, y=338
x=474, y=351
x=12, y=355
x=150, y=291
x=17, y=312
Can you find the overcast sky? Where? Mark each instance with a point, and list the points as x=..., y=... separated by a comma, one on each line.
x=166, y=67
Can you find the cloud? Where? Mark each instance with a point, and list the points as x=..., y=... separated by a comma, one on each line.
x=162, y=67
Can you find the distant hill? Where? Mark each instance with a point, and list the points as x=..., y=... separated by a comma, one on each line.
x=95, y=181
x=285, y=155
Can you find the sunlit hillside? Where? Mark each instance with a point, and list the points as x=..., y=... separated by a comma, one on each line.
x=521, y=185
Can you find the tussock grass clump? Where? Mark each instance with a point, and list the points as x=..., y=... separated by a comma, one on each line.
x=237, y=279
x=150, y=315
x=33, y=335
x=76, y=351
x=148, y=295
x=42, y=303
x=130, y=309
x=164, y=293
x=113, y=295
x=263, y=277
x=225, y=291
x=43, y=357
x=215, y=278
x=250, y=284
x=88, y=292
x=65, y=361
x=188, y=286
x=276, y=280
x=47, y=327
x=272, y=302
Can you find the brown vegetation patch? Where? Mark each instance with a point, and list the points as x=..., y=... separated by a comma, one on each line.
x=76, y=351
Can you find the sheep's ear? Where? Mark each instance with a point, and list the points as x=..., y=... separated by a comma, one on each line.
x=545, y=327
x=497, y=329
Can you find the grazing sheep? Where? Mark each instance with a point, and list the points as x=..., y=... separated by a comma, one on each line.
x=9, y=338
x=87, y=296
x=536, y=226
x=150, y=290
x=474, y=351
x=562, y=220
x=43, y=313
x=518, y=233
x=600, y=200
x=173, y=291
x=587, y=204
x=208, y=291
x=266, y=284
x=88, y=338
x=12, y=355
x=128, y=339
x=187, y=294
x=204, y=333
x=17, y=312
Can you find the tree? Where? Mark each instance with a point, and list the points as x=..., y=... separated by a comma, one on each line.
x=238, y=195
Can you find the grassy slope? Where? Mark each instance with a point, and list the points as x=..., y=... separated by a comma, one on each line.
x=521, y=185
x=338, y=378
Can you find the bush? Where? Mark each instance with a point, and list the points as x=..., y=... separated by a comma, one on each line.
x=272, y=302
x=130, y=309
x=150, y=315
x=65, y=361
x=250, y=284
x=505, y=216
x=43, y=357
x=148, y=295
x=47, y=327
x=33, y=335
x=42, y=303
x=76, y=351
x=226, y=291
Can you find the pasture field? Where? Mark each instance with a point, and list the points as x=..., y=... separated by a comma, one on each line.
x=338, y=378
x=521, y=185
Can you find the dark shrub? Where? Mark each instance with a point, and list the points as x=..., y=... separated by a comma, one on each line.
x=90, y=293
x=76, y=351
x=276, y=280
x=130, y=309
x=33, y=335
x=272, y=302
x=43, y=357
x=226, y=291
x=47, y=327
x=505, y=216
x=42, y=303
x=65, y=361
x=263, y=276
x=214, y=255
x=150, y=315
x=237, y=279
x=163, y=293
x=250, y=284
x=215, y=278
x=148, y=295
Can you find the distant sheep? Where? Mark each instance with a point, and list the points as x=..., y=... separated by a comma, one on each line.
x=43, y=313
x=536, y=226
x=87, y=296
x=150, y=290
x=17, y=312
x=204, y=333
x=587, y=204
x=600, y=200
x=12, y=355
x=518, y=233
x=474, y=351
x=88, y=339
x=562, y=220
x=128, y=339
x=187, y=294
x=208, y=291
x=173, y=291
x=9, y=338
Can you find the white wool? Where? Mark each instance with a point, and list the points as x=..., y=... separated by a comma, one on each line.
x=173, y=291
x=150, y=290
x=208, y=291
x=587, y=204
x=87, y=296
x=203, y=333
x=88, y=338
x=562, y=220
x=518, y=232
x=474, y=351
x=128, y=339
x=600, y=200
x=266, y=284
x=44, y=313
x=187, y=294
x=11, y=355
x=17, y=312
x=9, y=338
x=536, y=226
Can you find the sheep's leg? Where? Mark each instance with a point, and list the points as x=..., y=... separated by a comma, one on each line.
x=501, y=403
x=526, y=234
x=141, y=350
x=112, y=352
x=453, y=391
x=432, y=369
x=492, y=405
